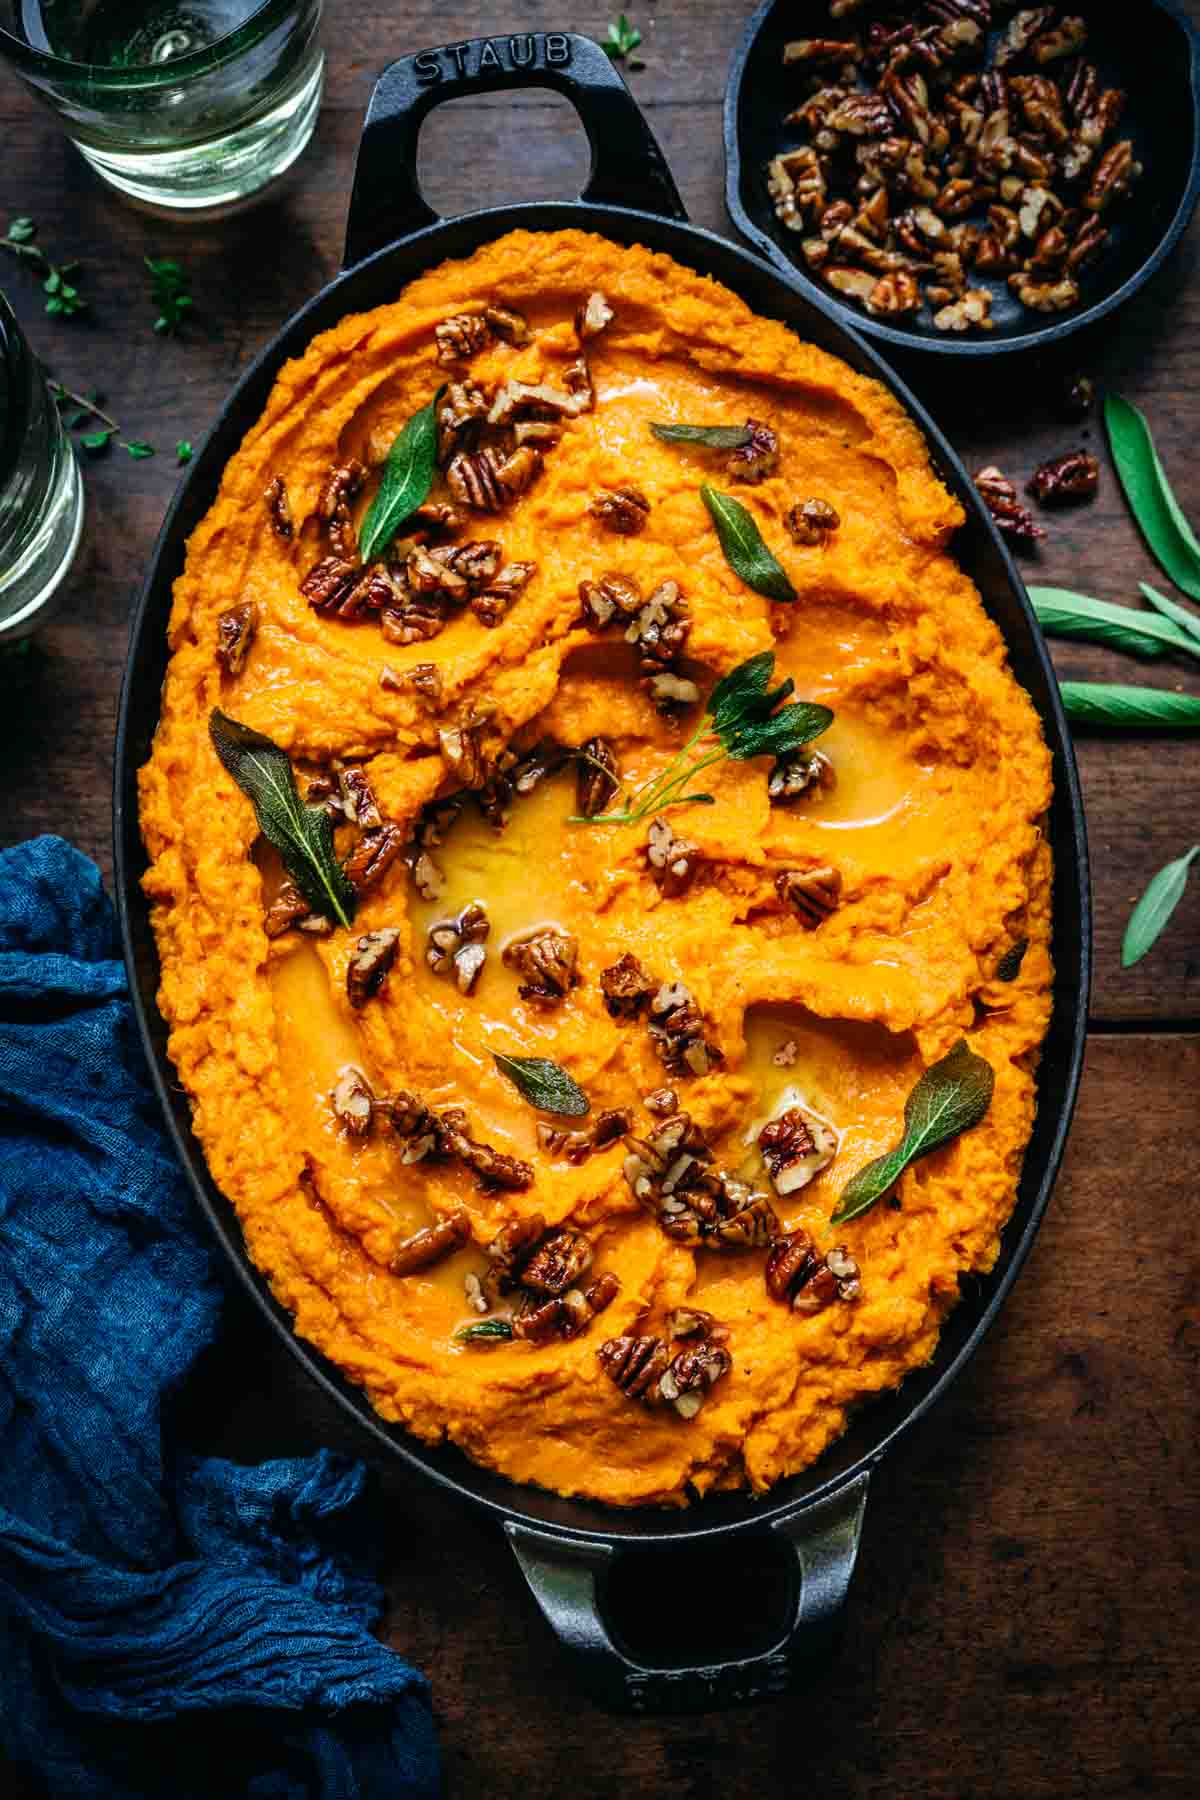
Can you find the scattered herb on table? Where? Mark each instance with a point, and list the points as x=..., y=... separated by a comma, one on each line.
x=543, y=1083
x=951, y=1097
x=183, y=451
x=407, y=479
x=302, y=834
x=1064, y=614
x=87, y=406
x=1150, y=916
x=709, y=437
x=1150, y=496
x=487, y=1331
x=748, y=719
x=622, y=40
x=63, y=298
x=745, y=551
x=138, y=450
x=1129, y=708
x=170, y=290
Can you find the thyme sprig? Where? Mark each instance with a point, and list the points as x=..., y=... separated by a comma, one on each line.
x=744, y=717
x=62, y=295
x=88, y=407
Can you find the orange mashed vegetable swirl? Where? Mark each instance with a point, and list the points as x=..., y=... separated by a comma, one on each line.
x=934, y=823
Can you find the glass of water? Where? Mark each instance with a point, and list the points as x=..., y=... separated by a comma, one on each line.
x=41, y=493
x=189, y=109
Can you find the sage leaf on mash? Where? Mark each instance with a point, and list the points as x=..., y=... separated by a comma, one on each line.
x=1150, y=495
x=749, y=718
x=1064, y=614
x=303, y=835
x=1149, y=917
x=1170, y=609
x=744, y=548
x=487, y=1331
x=1129, y=708
x=407, y=479
x=951, y=1096
x=709, y=437
x=543, y=1083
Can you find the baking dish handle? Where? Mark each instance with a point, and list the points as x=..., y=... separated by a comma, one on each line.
x=628, y=168
x=568, y=1575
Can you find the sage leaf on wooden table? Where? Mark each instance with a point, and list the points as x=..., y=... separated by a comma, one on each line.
x=543, y=1083
x=951, y=1096
x=1129, y=708
x=1170, y=609
x=745, y=551
x=709, y=437
x=1064, y=614
x=303, y=835
x=1150, y=496
x=487, y=1331
x=1149, y=917
x=407, y=479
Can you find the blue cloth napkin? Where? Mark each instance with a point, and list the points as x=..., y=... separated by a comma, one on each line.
x=168, y=1624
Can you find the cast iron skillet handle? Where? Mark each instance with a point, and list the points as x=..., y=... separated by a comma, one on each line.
x=566, y=1575
x=628, y=168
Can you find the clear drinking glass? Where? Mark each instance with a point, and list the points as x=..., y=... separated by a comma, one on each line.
x=188, y=109
x=41, y=493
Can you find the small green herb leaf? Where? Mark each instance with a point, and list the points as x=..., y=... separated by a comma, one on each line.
x=1009, y=966
x=949, y=1099
x=302, y=834
x=183, y=451
x=1063, y=614
x=745, y=551
x=1149, y=917
x=544, y=1084
x=407, y=479
x=95, y=441
x=710, y=437
x=1129, y=708
x=137, y=450
x=1170, y=609
x=169, y=286
x=787, y=730
x=622, y=39
x=1150, y=495
x=21, y=230
x=487, y=1331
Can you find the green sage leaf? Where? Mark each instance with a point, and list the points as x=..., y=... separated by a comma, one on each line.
x=1149, y=917
x=21, y=230
x=407, y=479
x=302, y=834
x=951, y=1097
x=487, y=1331
x=1061, y=613
x=1009, y=966
x=544, y=1084
x=710, y=437
x=787, y=730
x=1129, y=708
x=183, y=451
x=1150, y=495
x=744, y=548
x=1170, y=609
x=137, y=450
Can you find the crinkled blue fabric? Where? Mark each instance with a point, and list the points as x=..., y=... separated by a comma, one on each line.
x=169, y=1625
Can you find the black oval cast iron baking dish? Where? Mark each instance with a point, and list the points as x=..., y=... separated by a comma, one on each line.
x=1155, y=57
x=566, y=1548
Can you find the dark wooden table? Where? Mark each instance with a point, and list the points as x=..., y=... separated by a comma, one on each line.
x=1023, y=1618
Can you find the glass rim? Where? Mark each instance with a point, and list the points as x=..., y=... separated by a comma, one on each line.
x=29, y=60
x=14, y=374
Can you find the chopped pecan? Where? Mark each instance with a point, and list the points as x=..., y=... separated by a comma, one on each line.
x=627, y=989
x=328, y=585
x=597, y=778
x=677, y=1032
x=462, y=750
x=353, y=1102
x=368, y=968
x=661, y=1100
x=812, y=894
x=1089, y=243
x=557, y=1263
x=456, y=946
x=796, y=184
x=894, y=295
x=1066, y=480
x=473, y=1288
x=373, y=856
x=659, y=629
x=461, y=336
x=509, y=326
x=612, y=597
x=579, y=1306
x=856, y=284
x=431, y=1245
x=1021, y=32
x=797, y=1275
x=358, y=800
x=812, y=521
x=436, y=518
x=288, y=908
x=512, y=1247
x=673, y=861
x=460, y=420
x=861, y=115
x=1000, y=497
x=610, y=1125
x=414, y=1124
x=755, y=460
x=973, y=308
x=1064, y=38
x=279, y=507
x=487, y=481
x=494, y=601
x=491, y=1168
x=623, y=510
x=634, y=1364
x=542, y=399
x=689, y=1321
x=426, y=678
x=800, y=772
x=786, y=1054
x=535, y=765
x=690, y=1373
x=340, y=487
x=796, y=1146
x=556, y=1140
x=428, y=879
x=236, y=628
x=592, y=317
x=549, y=961
x=1115, y=175
x=810, y=51
x=538, y=1319
x=1048, y=296
x=791, y=1262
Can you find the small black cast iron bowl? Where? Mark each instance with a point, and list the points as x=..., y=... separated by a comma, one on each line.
x=569, y=1549
x=1151, y=50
